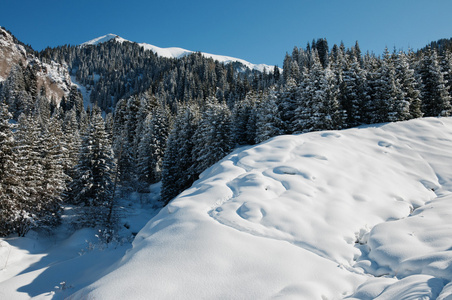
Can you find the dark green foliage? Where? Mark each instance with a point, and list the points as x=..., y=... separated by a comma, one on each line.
x=10, y=186
x=244, y=116
x=92, y=184
x=268, y=123
x=177, y=173
x=212, y=139
x=152, y=146
x=435, y=94
x=113, y=71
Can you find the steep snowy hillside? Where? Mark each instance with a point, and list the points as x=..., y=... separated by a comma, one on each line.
x=364, y=213
x=174, y=52
x=52, y=76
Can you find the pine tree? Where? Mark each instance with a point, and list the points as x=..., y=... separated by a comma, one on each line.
x=71, y=142
x=244, y=120
x=435, y=95
x=92, y=185
x=446, y=68
x=318, y=107
x=152, y=146
x=11, y=189
x=353, y=91
x=212, y=138
x=121, y=144
x=388, y=96
x=288, y=100
x=177, y=172
x=311, y=97
x=54, y=179
x=409, y=85
x=331, y=116
x=30, y=169
x=322, y=49
x=268, y=122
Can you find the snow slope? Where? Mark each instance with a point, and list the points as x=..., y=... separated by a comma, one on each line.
x=175, y=52
x=54, y=265
x=363, y=213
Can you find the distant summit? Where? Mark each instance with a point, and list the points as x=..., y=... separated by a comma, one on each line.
x=175, y=52
x=104, y=39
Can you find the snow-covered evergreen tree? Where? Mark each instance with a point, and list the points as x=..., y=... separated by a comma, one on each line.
x=268, y=122
x=446, y=68
x=318, y=107
x=390, y=104
x=353, y=91
x=29, y=147
x=54, y=178
x=152, y=146
x=212, y=138
x=92, y=185
x=288, y=100
x=71, y=142
x=177, y=172
x=11, y=189
x=410, y=87
x=435, y=95
x=244, y=120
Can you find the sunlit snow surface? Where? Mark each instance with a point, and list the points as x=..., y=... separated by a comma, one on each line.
x=362, y=213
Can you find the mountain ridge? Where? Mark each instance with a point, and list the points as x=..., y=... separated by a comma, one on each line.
x=177, y=52
x=53, y=76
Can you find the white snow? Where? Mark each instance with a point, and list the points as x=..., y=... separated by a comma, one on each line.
x=86, y=94
x=175, y=52
x=54, y=265
x=104, y=39
x=363, y=213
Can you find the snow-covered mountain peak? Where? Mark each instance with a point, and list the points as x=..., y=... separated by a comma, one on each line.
x=176, y=52
x=104, y=39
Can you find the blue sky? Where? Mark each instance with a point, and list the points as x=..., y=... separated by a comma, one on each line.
x=258, y=31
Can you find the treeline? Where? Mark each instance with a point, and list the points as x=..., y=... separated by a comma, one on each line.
x=319, y=90
x=169, y=119
x=366, y=89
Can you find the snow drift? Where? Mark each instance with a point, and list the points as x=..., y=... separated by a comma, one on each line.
x=363, y=213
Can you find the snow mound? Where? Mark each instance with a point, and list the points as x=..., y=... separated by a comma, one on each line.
x=362, y=213
x=175, y=52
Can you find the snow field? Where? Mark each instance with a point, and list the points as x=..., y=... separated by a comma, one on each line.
x=362, y=213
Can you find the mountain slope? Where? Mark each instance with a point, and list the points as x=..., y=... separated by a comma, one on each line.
x=175, y=52
x=360, y=213
x=52, y=76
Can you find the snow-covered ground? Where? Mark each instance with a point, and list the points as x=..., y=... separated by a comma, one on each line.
x=360, y=213
x=176, y=52
x=363, y=213
x=54, y=265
